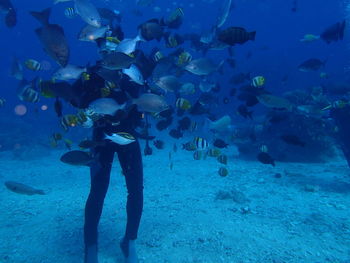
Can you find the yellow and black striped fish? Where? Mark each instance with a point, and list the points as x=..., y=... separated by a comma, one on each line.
x=201, y=144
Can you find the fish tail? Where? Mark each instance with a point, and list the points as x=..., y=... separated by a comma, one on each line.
x=252, y=35
x=250, y=115
x=40, y=192
x=342, y=28
x=43, y=16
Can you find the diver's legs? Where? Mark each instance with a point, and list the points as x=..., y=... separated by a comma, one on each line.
x=100, y=175
x=130, y=159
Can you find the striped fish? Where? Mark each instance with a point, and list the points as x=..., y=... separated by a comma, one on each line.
x=201, y=144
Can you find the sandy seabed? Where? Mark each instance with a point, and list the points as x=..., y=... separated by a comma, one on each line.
x=293, y=213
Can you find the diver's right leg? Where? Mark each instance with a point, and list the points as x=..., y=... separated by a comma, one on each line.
x=100, y=175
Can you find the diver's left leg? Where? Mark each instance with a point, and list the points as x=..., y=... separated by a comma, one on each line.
x=131, y=162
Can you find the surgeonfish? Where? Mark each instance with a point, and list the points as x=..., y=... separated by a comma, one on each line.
x=88, y=12
x=20, y=188
x=121, y=138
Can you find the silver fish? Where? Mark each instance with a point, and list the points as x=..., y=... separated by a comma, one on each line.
x=69, y=72
x=88, y=12
x=91, y=33
x=168, y=83
x=105, y=106
x=22, y=188
x=224, y=12
x=202, y=66
x=134, y=74
x=150, y=102
x=128, y=45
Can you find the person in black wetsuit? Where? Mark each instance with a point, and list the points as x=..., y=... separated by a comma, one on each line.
x=129, y=157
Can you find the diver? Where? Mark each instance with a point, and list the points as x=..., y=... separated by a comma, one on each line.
x=86, y=91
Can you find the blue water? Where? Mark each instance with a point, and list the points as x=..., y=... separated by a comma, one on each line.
x=318, y=191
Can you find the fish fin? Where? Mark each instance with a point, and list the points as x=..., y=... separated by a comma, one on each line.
x=43, y=16
x=162, y=22
x=220, y=67
x=58, y=28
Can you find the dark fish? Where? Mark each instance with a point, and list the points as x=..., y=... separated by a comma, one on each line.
x=148, y=150
x=108, y=74
x=292, y=139
x=144, y=136
x=77, y=158
x=184, y=123
x=22, y=188
x=61, y=89
x=231, y=62
x=312, y=64
x=334, y=32
x=278, y=117
x=208, y=98
x=58, y=108
x=166, y=113
x=198, y=109
x=243, y=111
x=250, y=100
x=240, y=78
x=136, y=12
x=7, y=8
x=158, y=144
x=233, y=92
x=337, y=88
x=116, y=60
x=89, y=144
x=151, y=30
x=176, y=133
x=235, y=35
x=220, y=143
x=294, y=6
x=52, y=38
x=265, y=158
x=175, y=148
x=163, y=124
x=109, y=15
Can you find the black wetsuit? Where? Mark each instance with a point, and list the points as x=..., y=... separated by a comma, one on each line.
x=129, y=155
x=341, y=118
